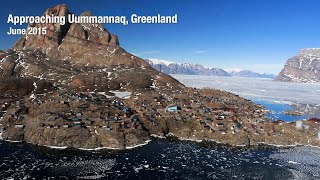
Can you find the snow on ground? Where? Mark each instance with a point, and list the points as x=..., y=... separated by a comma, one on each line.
x=122, y=95
x=118, y=94
x=257, y=88
x=56, y=147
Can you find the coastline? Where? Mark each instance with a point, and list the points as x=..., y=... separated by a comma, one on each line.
x=83, y=149
x=242, y=145
x=172, y=136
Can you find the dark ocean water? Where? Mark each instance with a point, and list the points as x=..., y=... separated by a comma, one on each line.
x=160, y=159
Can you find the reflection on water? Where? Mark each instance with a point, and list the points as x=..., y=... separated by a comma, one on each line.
x=278, y=111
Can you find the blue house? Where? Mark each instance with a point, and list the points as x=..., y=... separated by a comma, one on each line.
x=173, y=108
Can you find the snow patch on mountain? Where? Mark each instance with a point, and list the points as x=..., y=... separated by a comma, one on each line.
x=170, y=67
x=159, y=61
x=303, y=67
x=233, y=70
x=251, y=74
x=185, y=68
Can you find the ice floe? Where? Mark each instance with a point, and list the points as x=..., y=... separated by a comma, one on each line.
x=260, y=89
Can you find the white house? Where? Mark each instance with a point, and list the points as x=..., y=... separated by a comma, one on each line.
x=299, y=124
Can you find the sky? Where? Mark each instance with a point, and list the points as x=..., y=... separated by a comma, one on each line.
x=258, y=35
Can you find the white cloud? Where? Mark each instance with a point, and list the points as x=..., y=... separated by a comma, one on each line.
x=200, y=52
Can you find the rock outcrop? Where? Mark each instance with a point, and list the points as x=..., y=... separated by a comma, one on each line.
x=78, y=56
x=302, y=68
x=89, y=44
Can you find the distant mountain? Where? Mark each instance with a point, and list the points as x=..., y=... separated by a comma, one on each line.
x=250, y=74
x=169, y=67
x=185, y=68
x=159, y=61
x=304, y=67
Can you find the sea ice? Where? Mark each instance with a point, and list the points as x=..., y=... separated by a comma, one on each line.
x=257, y=88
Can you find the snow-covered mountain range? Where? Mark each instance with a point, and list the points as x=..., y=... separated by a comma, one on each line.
x=185, y=68
x=170, y=67
x=250, y=74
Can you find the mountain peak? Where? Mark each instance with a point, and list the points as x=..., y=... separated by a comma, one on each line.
x=79, y=43
x=233, y=70
x=57, y=32
x=303, y=67
x=310, y=52
x=58, y=10
x=159, y=61
x=86, y=13
x=81, y=56
x=169, y=67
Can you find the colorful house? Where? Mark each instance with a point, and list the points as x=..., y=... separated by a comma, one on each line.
x=299, y=124
x=78, y=123
x=173, y=108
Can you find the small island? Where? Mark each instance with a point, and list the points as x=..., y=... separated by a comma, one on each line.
x=75, y=87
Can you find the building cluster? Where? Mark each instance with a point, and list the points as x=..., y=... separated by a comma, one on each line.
x=216, y=114
x=71, y=109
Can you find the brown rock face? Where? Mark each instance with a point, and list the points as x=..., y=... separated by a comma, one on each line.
x=77, y=56
x=89, y=44
x=72, y=137
x=95, y=33
x=74, y=59
x=304, y=67
x=53, y=37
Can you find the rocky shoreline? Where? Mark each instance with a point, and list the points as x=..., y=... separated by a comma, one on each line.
x=206, y=142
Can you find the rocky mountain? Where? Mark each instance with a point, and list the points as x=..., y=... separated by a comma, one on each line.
x=42, y=77
x=185, y=68
x=303, y=68
x=251, y=74
x=76, y=56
